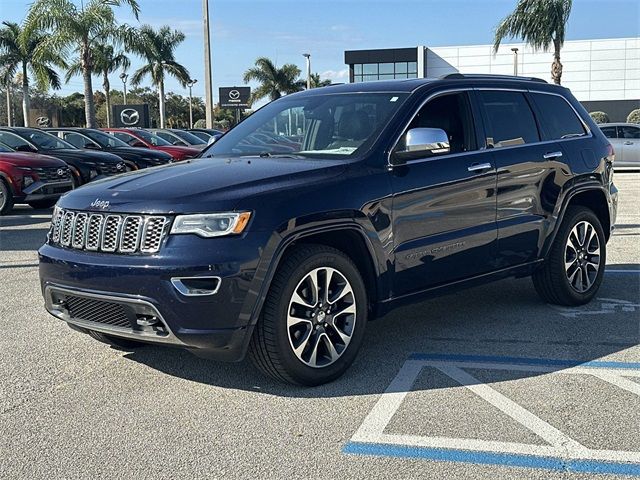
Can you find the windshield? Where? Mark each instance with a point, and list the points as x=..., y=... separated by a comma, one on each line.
x=46, y=141
x=322, y=126
x=188, y=137
x=104, y=139
x=4, y=148
x=151, y=138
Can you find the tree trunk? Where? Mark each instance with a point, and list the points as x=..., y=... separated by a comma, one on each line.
x=89, y=107
x=161, y=103
x=26, y=101
x=107, y=96
x=556, y=66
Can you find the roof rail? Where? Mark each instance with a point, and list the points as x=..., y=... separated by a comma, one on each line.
x=453, y=76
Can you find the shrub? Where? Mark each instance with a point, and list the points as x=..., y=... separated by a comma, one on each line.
x=202, y=123
x=634, y=116
x=599, y=117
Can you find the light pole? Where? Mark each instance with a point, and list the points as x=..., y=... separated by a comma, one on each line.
x=308, y=57
x=123, y=77
x=515, y=61
x=190, y=84
x=208, y=82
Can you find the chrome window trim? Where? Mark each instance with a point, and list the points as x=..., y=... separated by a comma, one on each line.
x=484, y=148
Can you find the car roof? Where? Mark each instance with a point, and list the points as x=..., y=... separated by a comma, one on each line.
x=619, y=124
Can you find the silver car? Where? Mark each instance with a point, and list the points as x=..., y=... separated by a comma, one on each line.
x=625, y=138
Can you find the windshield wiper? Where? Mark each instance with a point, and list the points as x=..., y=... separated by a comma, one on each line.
x=278, y=154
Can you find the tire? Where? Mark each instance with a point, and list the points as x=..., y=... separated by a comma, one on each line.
x=577, y=282
x=6, y=198
x=40, y=204
x=275, y=340
x=116, y=342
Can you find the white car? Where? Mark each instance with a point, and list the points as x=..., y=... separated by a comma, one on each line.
x=625, y=138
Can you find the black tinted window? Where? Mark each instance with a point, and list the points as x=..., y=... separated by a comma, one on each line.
x=558, y=118
x=629, y=132
x=609, y=132
x=510, y=119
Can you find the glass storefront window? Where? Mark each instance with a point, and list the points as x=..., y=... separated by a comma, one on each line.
x=357, y=78
x=401, y=67
x=412, y=67
x=386, y=68
x=357, y=69
x=370, y=69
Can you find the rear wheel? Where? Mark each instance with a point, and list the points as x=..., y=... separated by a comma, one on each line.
x=6, y=198
x=117, y=342
x=314, y=318
x=38, y=204
x=574, y=268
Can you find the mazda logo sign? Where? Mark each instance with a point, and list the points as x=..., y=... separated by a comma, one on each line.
x=129, y=116
x=61, y=172
x=42, y=122
x=234, y=94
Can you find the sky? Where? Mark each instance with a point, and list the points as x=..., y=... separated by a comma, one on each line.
x=242, y=30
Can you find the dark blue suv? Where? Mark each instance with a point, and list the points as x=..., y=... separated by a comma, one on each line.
x=328, y=208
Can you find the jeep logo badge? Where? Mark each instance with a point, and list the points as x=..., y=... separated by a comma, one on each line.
x=97, y=203
x=129, y=116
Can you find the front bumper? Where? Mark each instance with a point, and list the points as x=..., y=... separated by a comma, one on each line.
x=45, y=190
x=216, y=325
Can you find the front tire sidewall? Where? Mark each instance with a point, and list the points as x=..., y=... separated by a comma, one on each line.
x=577, y=298
x=300, y=372
x=7, y=205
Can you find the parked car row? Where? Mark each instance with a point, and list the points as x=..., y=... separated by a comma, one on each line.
x=81, y=154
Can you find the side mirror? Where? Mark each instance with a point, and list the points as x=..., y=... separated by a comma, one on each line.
x=25, y=148
x=421, y=142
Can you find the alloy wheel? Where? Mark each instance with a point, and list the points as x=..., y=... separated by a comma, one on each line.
x=582, y=256
x=321, y=317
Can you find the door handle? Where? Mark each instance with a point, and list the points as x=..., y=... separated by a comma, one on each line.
x=476, y=167
x=628, y=142
x=547, y=156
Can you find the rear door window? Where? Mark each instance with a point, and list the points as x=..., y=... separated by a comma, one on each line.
x=558, y=118
x=510, y=120
x=629, y=132
x=609, y=132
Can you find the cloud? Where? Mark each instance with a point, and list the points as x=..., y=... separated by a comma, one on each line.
x=335, y=75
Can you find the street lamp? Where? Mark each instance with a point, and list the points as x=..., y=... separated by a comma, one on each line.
x=308, y=57
x=190, y=84
x=515, y=61
x=208, y=80
x=123, y=77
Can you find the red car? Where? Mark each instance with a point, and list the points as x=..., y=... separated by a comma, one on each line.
x=136, y=137
x=38, y=180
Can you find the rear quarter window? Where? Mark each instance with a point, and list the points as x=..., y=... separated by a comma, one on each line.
x=558, y=118
x=609, y=132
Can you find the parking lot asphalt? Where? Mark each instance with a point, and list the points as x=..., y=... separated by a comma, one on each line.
x=486, y=383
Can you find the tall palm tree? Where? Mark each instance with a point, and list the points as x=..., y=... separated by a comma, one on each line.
x=274, y=81
x=540, y=23
x=80, y=28
x=20, y=51
x=157, y=48
x=316, y=82
x=106, y=60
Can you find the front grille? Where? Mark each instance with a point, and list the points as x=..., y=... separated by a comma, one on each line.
x=113, y=168
x=111, y=233
x=99, y=311
x=53, y=174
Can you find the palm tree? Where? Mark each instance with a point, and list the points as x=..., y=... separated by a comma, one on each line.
x=81, y=29
x=105, y=61
x=157, y=48
x=540, y=23
x=274, y=81
x=316, y=82
x=20, y=51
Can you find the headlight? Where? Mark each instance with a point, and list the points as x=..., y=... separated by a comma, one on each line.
x=93, y=173
x=211, y=224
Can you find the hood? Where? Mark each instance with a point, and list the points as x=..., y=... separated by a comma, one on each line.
x=178, y=151
x=83, y=156
x=19, y=159
x=135, y=152
x=200, y=185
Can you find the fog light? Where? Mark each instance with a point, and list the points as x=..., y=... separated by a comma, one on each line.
x=26, y=181
x=93, y=173
x=146, y=320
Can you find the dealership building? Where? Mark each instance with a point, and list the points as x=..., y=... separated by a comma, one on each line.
x=603, y=74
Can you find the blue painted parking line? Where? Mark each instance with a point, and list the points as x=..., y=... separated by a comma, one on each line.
x=491, y=458
x=547, y=362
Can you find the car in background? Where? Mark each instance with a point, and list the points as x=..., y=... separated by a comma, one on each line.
x=625, y=138
x=179, y=137
x=136, y=137
x=92, y=139
x=85, y=165
x=205, y=133
x=37, y=180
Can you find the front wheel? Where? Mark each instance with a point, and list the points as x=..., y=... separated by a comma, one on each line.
x=574, y=269
x=314, y=317
x=6, y=198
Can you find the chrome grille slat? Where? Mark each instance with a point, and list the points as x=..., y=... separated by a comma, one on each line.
x=109, y=233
